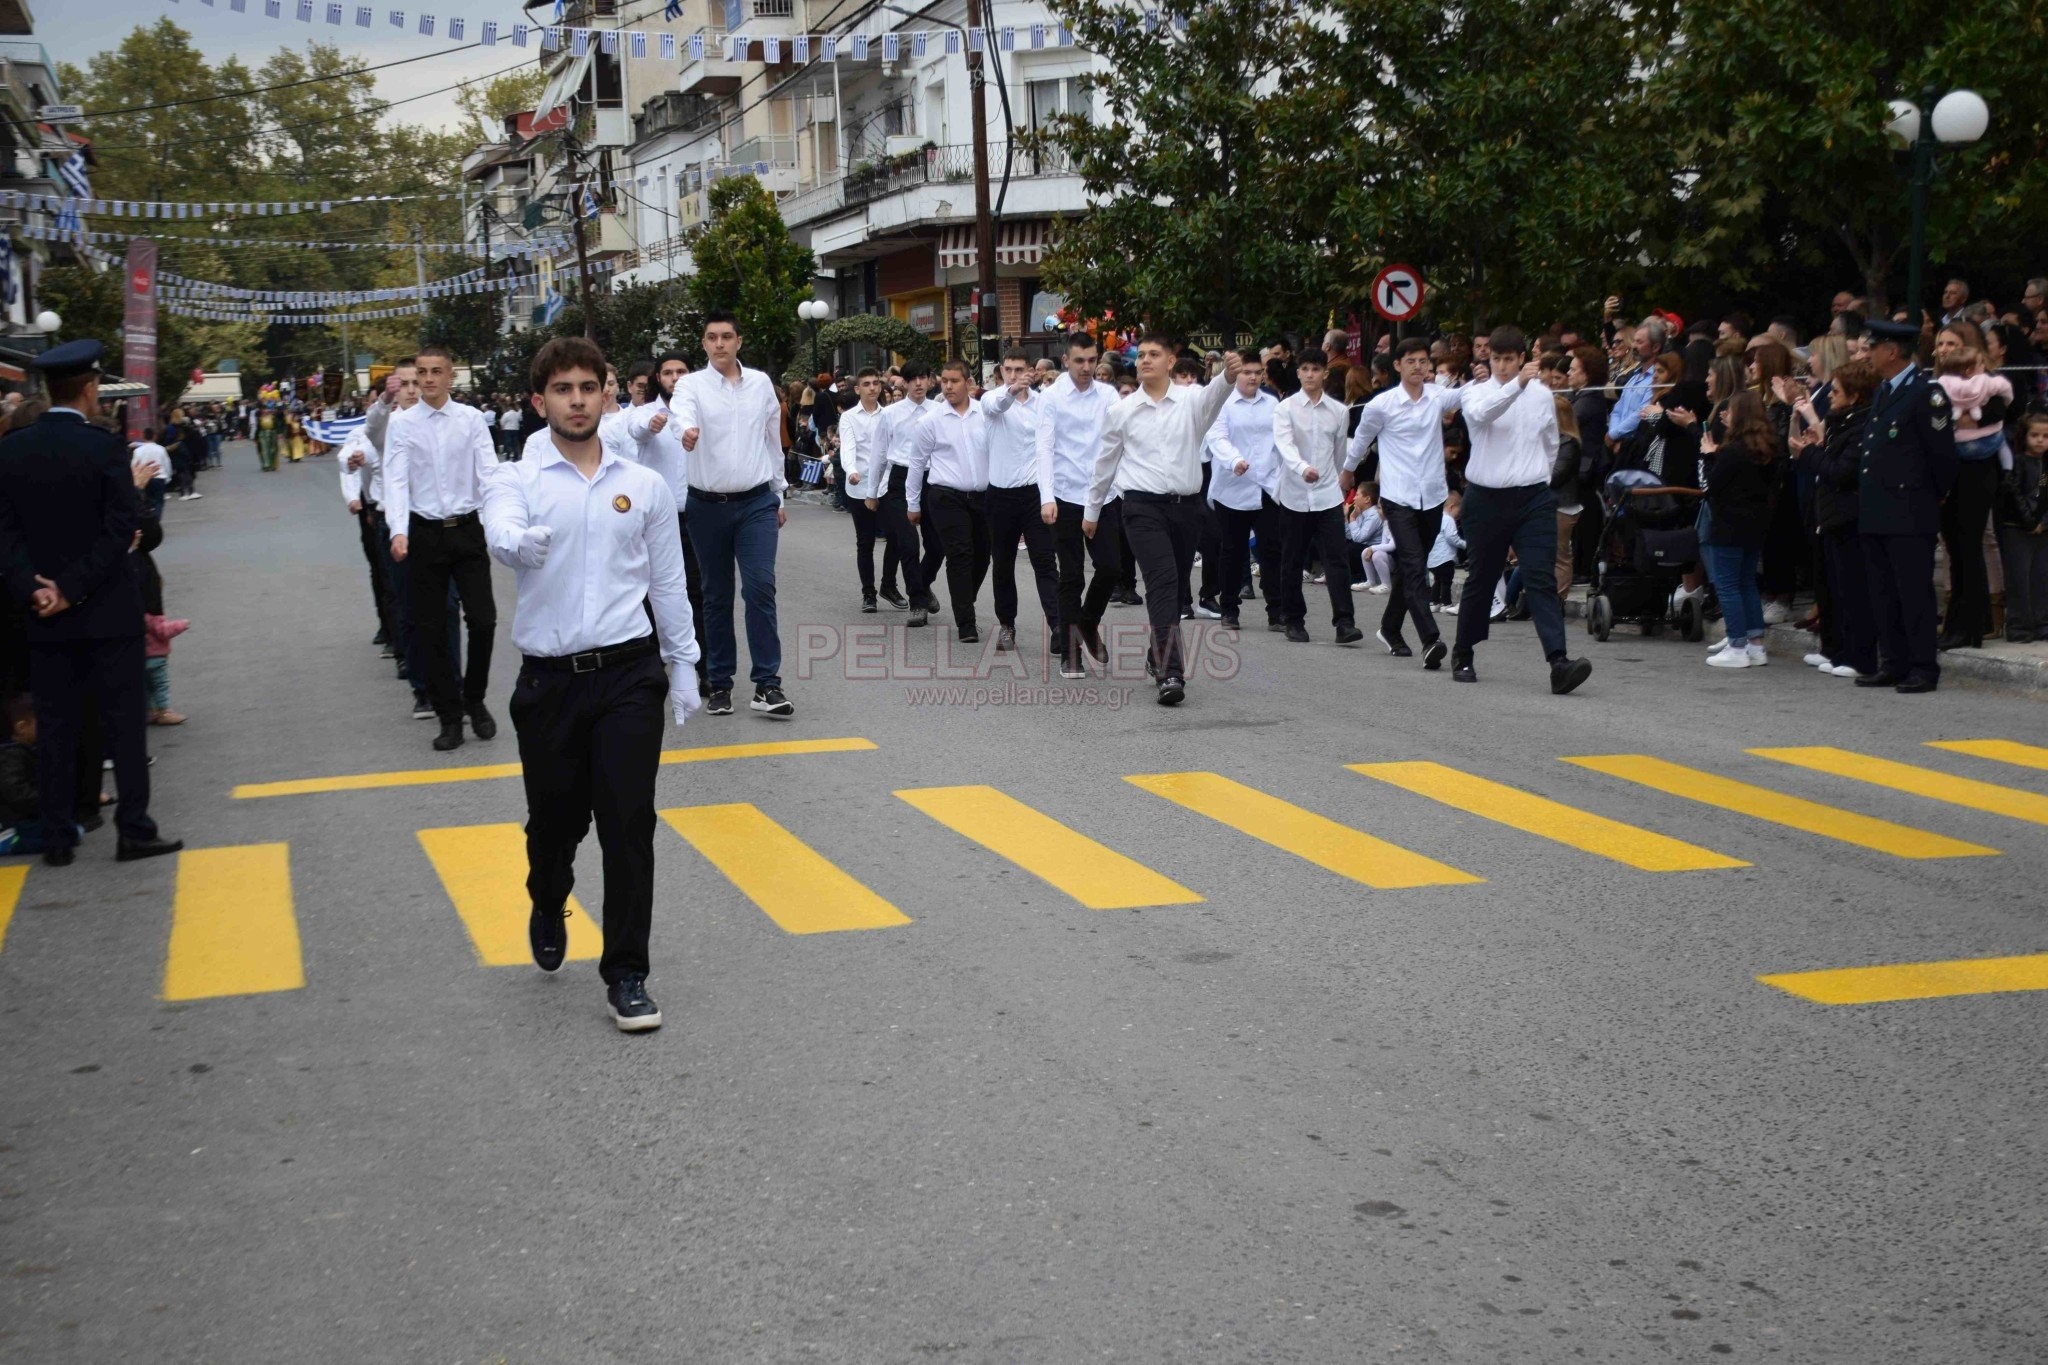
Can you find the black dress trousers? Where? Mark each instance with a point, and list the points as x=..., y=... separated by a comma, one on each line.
x=589, y=746
x=1323, y=532
x=1014, y=512
x=960, y=519
x=1075, y=551
x=436, y=555
x=894, y=513
x=69, y=677
x=1163, y=530
x=1900, y=572
x=1415, y=530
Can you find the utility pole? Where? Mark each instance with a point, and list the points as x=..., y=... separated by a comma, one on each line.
x=576, y=192
x=988, y=321
x=348, y=364
x=419, y=265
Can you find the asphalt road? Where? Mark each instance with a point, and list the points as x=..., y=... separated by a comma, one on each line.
x=1550, y=1115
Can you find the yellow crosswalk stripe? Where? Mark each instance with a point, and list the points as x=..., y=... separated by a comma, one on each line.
x=1829, y=822
x=791, y=882
x=1339, y=848
x=428, y=777
x=12, y=879
x=1916, y=980
x=1068, y=860
x=1517, y=809
x=233, y=930
x=1908, y=777
x=1997, y=750
x=483, y=870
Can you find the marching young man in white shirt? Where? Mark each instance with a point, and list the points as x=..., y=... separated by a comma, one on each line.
x=362, y=488
x=594, y=543
x=1509, y=502
x=860, y=427
x=1308, y=437
x=1241, y=462
x=1152, y=454
x=888, y=466
x=437, y=455
x=1069, y=440
x=949, y=477
x=655, y=439
x=1020, y=499
x=732, y=426
x=1408, y=422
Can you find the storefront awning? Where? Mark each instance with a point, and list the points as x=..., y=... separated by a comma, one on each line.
x=565, y=84
x=1017, y=243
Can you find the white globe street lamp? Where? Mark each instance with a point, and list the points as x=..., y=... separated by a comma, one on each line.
x=814, y=311
x=48, y=322
x=1959, y=117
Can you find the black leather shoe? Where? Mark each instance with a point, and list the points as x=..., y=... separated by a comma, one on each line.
x=931, y=604
x=1911, y=686
x=1298, y=634
x=93, y=822
x=1171, y=691
x=547, y=933
x=450, y=736
x=132, y=850
x=1462, y=670
x=481, y=723
x=969, y=635
x=60, y=857
x=1230, y=623
x=894, y=598
x=867, y=603
x=1566, y=674
x=1091, y=640
x=1351, y=635
x=917, y=616
x=1006, y=640
x=1877, y=680
x=633, y=1010
x=1433, y=654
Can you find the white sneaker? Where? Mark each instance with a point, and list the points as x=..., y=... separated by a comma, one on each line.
x=1380, y=589
x=1820, y=661
x=1729, y=658
x=1776, y=613
x=1840, y=670
x=1721, y=648
x=1451, y=607
x=1757, y=657
x=1363, y=587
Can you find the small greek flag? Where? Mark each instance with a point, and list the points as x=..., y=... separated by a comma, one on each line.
x=427, y=25
x=73, y=175
x=800, y=48
x=920, y=41
x=639, y=45
x=490, y=33
x=333, y=13
x=608, y=42
x=362, y=16
x=892, y=47
x=455, y=30
x=668, y=47
x=579, y=41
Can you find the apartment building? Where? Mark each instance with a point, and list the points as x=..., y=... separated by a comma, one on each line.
x=31, y=150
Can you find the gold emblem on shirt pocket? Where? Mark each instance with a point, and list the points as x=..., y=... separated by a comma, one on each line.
x=622, y=503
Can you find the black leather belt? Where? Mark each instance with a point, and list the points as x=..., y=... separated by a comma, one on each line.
x=708, y=496
x=591, y=661
x=1134, y=495
x=465, y=519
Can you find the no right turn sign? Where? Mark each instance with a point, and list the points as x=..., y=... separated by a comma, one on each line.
x=1397, y=293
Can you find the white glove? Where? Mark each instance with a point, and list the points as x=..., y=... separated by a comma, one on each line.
x=683, y=697
x=533, y=546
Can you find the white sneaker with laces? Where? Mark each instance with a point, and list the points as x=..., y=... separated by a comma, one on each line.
x=1820, y=661
x=1729, y=658
x=1757, y=657
x=1840, y=670
x=1776, y=613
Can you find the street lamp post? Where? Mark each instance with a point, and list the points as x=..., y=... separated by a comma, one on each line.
x=1960, y=116
x=814, y=311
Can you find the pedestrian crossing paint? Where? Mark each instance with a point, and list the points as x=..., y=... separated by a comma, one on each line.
x=1907, y=777
x=1517, y=809
x=1338, y=848
x=792, y=883
x=1916, y=980
x=233, y=928
x=1997, y=750
x=1064, y=858
x=12, y=879
x=426, y=777
x=483, y=870
x=1777, y=808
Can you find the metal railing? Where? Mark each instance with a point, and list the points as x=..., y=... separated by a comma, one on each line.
x=776, y=149
x=715, y=46
x=868, y=181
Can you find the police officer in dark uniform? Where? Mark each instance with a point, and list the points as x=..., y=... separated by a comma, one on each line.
x=68, y=516
x=1908, y=466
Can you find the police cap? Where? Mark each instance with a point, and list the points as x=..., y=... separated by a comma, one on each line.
x=69, y=361
x=1877, y=329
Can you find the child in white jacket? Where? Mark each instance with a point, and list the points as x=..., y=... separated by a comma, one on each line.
x=1443, y=556
x=1365, y=525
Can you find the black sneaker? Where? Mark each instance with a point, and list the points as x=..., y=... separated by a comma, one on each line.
x=422, y=709
x=718, y=703
x=1006, y=640
x=387, y=652
x=1297, y=633
x=1091, y=640
x=1566, y=674
x=1208, y=610
x=931, y=604
x=894, y=599
x=1172, y=690
x=1230, y=623
x=1129, y=598
x=380, y=638
x=770, y=702
x=481, y=723
x=1187, y=613
x=450, y=736
x=633, y=1010
x=917, y=616
x=969, y=635
x=1397, y=646
x=1433, y=654
x=1351, y=635
x=547, y=933
x=1071, y=666
x=1462, y=670
x=867, y=602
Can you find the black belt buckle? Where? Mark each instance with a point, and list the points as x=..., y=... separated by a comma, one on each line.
x=589, y=662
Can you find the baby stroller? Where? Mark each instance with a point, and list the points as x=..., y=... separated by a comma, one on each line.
x=1649, y=543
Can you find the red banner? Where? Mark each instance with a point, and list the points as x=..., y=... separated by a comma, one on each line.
x=138, y=346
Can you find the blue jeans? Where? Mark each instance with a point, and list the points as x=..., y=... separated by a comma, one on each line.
x=745, y=533
x=1733, y=569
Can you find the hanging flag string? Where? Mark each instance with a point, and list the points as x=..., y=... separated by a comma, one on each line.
x=540, y=247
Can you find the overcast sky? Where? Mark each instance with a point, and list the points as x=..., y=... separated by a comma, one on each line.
x=73, y=30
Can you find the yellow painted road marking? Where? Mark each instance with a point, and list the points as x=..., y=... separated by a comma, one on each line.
x=786, y=877
x=483, y=869
x=1097, y=876
x=1340, y=848
x=1997, y=750
x=12, y=879
x=233, y=931
x=1829, y=822
x=1916, y=980
x=1918, y=781
x=1549, y=819
x=427, y=777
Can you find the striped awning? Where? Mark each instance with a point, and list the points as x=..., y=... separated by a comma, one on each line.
x=1017, y=243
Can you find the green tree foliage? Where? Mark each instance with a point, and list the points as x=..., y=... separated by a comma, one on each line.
x=91, y=304
x=489, y=102
x=1214, y=163
x=747, y=265
x=632, y=322
x=863, y=329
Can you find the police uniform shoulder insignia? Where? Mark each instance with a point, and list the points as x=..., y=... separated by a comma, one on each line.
x=1936, y=397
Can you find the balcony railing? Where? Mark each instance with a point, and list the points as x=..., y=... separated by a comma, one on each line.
x=778, y=149
x=737, y=12
x=872, y=180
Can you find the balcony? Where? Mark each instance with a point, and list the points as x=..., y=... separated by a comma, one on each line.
x=711, y=74
x=949, y=165
x=767, y=17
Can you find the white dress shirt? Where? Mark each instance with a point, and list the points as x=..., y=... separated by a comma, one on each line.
x=616, y=544
x=1411, y=437
x=950, y=447
x=538, y=443
x=892, y=440
x=1514, y=433
x=859, y=429
x=1013, y=442
x=740, y=442
x=509, y=419
x=1070, y=435
x=1242, y=431
x=612, y=435
x=661, y=451
x=436, y=461
x=1155, y=445
x=155, y=456
x=1309, y=435
x=367, y=482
